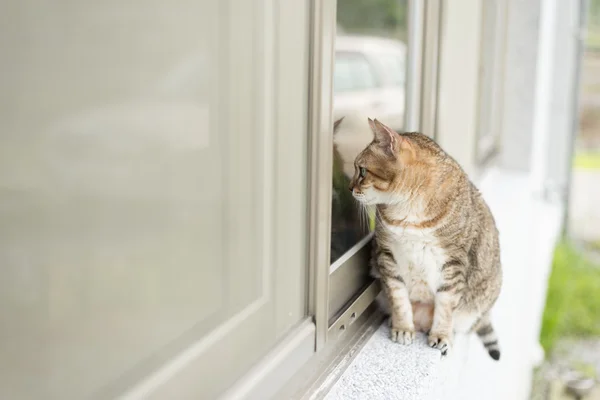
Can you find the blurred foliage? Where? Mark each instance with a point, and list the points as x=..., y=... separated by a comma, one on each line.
x=593, y=25
x=586, y=369
x=573, y=298
x=592, y=40
x=594, y=12
x=586, y=160
x=373, y=17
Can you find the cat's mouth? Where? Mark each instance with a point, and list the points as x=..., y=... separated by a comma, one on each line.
x=358, y=195
x=361, y=197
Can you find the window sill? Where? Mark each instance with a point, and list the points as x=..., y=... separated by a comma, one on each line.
x=529, y=229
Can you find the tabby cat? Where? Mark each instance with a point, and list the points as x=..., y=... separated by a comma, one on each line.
x=347, y=228
x=436, y=250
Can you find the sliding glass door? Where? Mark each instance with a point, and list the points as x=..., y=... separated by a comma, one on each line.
x=152, y=194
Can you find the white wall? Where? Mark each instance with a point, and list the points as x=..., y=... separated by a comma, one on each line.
x=459, y=80
x=519, y=83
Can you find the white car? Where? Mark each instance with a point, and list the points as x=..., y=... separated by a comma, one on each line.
x=369, y=78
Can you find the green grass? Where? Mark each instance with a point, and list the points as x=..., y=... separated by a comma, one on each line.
x=587, y=160
x=573, y=300
x=592, y=40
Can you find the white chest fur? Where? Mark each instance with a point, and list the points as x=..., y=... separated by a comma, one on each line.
x=419, y=260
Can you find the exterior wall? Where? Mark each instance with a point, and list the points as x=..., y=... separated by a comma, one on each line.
x=459, y=77
x=567, y=37
x=519, y=83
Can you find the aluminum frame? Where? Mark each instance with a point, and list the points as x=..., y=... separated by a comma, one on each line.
x=322, y=42
x=490, y=105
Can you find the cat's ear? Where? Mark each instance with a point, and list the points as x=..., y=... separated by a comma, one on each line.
x=336, y=125
x=386, y=137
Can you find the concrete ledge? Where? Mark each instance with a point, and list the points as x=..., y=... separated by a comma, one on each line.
x=385, y=370
x=388, y=370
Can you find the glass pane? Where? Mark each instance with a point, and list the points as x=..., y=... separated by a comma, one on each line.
x=342, y=79
x=355, y=72
x=130, y=188
x=369, y=81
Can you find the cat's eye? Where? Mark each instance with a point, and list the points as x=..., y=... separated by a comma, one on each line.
x=363, y=172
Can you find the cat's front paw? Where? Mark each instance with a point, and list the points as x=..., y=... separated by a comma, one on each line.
x=439, y=341
x=402, y=335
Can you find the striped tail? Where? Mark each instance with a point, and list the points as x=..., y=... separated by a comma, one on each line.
x=490, y=341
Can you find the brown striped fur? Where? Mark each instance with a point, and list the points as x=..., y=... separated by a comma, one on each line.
x=436, y=247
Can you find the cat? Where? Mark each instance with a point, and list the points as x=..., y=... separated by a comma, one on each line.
x=346, y=225
x=436, y=250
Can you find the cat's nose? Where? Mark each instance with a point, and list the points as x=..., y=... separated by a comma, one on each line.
x=351, y=188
